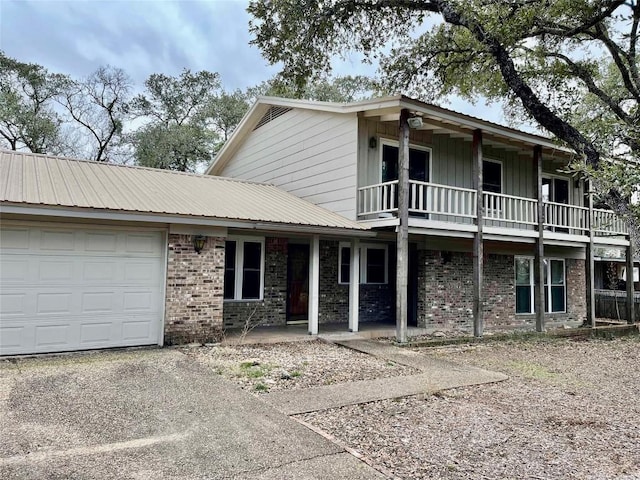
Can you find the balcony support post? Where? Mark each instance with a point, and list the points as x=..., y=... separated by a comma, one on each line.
x=629, y=267
x=589, y=266
x=402, y=241
x=478, y=242
x=539, y=253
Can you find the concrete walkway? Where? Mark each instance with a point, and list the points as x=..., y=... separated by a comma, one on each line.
x=436, y=375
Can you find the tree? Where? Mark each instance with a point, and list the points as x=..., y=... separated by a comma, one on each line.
x=176, y=135
x=224, y=112
x=341, y=89
x=27, y=117
x=98, y=104
x=542, y=56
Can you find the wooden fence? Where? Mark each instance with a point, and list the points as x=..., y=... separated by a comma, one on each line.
x=613, y=304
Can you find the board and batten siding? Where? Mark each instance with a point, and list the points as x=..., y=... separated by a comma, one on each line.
x=451, y=162
x=310, y=154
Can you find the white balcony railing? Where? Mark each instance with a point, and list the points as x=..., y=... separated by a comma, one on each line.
x=445, y=203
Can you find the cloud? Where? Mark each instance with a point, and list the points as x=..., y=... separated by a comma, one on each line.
x=141, y=37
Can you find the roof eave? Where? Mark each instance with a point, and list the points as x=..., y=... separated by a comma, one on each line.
x=168, y=218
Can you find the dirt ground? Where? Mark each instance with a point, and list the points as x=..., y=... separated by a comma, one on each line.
x=570, y=409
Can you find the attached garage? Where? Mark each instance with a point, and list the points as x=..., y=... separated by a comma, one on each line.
x=96, y=255
x=77, y=288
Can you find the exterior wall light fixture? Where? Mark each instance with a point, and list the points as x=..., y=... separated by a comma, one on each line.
x=198, y=242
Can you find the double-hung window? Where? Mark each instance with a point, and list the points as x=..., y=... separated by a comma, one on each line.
x=243, y=269
x=555, y=293
x=374, y=261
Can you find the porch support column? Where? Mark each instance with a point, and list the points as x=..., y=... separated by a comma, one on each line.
x=402, y=270
x=630, y=306
x=354, y=286
x=589, y=268
x=538, y=274
x=314, y=284
x=478, y=242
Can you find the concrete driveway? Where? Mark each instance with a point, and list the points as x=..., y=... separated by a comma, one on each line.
x=150, y=414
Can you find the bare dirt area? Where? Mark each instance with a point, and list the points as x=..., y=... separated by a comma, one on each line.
x=290, y=366
x=571, y=409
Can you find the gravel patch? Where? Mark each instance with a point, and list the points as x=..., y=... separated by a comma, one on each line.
x=571, y=409
x=292, y=366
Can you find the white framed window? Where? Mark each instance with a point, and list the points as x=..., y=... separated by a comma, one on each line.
x=244, y=268
x=492, y=176
x=419, y=161
x=554, y=285
x=374, y=263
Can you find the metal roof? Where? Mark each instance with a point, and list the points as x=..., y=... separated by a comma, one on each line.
x=41, y=180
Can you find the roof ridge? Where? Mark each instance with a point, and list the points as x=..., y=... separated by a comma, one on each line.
x=133, y=167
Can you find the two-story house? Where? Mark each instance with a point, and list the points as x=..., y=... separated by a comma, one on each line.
x=389, y=211
x=482, y=226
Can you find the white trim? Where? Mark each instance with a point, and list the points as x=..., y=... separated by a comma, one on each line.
x=547, y=287
x=553, y=176
x=412, y=146
x=165, y=270
x=354, y=286
x=97, y=214
x=501, y=163
x=363, y=256
x=376, y=106
x=240, y=240
x=314, y=284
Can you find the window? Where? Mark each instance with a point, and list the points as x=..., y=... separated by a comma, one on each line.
x=344, y=264
x=524, y=285
x=491, y=176
x=555, y=290
x=373, y=264
x=243, y=269
x=418, y=163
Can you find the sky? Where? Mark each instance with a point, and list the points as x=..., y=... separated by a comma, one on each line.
x=149, y=36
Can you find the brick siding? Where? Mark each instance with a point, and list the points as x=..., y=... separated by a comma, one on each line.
x=272, y=310
x=193, y=309
x=445, y=292
x=377, y=302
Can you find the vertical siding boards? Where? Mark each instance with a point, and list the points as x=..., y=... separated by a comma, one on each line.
x=308, y=153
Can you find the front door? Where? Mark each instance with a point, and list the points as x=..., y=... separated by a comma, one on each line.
x=297, y=283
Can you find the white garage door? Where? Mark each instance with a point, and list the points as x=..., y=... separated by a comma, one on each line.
x=77, y=288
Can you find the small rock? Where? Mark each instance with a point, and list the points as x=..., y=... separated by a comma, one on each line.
x=194, y=345
x=284, y=375
x=439, y=334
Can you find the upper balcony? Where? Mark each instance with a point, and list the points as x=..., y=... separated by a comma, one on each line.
x=450, y=208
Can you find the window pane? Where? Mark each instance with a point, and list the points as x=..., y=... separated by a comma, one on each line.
x=251, y=284
x=389, y=163
x=345, y=264
x=491, y=177
x=229, y=270
x=252, y=253
x=523, y=299
x=523, y=271
x=375, y=265
x=557, y=299
x=418, y=165
x=251, y=270
x=557, y=272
